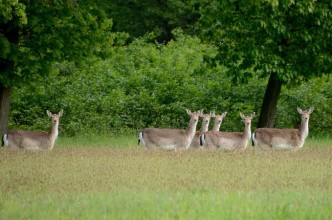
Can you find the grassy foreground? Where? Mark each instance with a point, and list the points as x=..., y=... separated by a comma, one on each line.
x=114, y=179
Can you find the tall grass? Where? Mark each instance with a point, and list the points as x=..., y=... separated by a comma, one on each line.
x=113, y=178
x=112, y=140
x=184, y=205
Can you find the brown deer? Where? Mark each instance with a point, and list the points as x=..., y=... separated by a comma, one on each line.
x=286, y=138
x=204, y=128
x=229, y=140
x=218, y=120
x=34, y=140
x=170, y=138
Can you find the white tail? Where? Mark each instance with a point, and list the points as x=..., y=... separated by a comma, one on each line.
x=229, y=140
x=204, y=128
x=170, y=138
x=34, y=140
x=218, y=120
x=284, y=138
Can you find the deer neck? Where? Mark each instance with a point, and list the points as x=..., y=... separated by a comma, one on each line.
x=247, y=132
x=191, y=130
x=216, y=126
x=54, y=132
x=204, y=128
x=304, y=129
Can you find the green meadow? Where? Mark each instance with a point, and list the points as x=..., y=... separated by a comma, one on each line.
x=110, y=177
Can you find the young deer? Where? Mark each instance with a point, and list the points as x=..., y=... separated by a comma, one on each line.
x=204, y=128
x=283, y=138
x=170, y=138
x=218, y=120
x=34, y=140
x=228, y=140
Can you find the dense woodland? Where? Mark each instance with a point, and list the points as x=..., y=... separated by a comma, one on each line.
x=119, y=66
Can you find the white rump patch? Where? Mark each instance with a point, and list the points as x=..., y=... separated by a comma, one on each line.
x=5, y=140
x=140, y=137
x=202, y=139
x=254, y=139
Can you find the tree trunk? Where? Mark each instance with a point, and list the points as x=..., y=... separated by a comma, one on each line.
x=10, y=31
x=5, y=94
x=269, y=106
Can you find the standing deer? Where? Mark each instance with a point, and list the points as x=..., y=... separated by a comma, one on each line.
x=229, y=140
x=34, y=140
x=170, y=138
x=218, y=120
x=283, y=138
x=204, y=128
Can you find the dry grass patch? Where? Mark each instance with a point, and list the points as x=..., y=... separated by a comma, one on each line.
x=127, y=183
x=109, y=169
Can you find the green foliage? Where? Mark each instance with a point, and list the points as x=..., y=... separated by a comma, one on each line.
x=150, y=85
x=151, y=16
x=316, y=93
x=34, y=34
x=285, y=37
x=10, y=10
x=139, y=84
x=143, y=83
x=13, y=9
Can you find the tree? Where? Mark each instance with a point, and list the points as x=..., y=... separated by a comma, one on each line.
x=152, y=16
x=35, y=34
x=286, y=40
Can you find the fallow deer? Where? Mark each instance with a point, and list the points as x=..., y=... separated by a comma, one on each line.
x=286, y=138
x=218, y=120
x=34, y=140
x=229, y=140
x=170, y=138
x=204, y=128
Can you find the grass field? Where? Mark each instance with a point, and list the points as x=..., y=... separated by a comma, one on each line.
x=112, y=178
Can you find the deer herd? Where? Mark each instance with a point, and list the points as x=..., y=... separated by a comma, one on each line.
x=292, y=139
x=176, y=139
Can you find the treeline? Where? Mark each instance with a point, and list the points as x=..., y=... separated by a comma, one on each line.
x=149, y=84
x=118, y=66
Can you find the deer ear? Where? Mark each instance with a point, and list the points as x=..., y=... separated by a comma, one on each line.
x=242, y=116
x=224, y=114
x=60, y=113
x=311, y=110
x=253, y=115
x=299, y=110
x=49, y=113
x=188, y=111
x=213, y=114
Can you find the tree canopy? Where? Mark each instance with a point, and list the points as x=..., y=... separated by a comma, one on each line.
x=281, y=42
x=34, y=34
x=290, y=38
x=287, y=40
